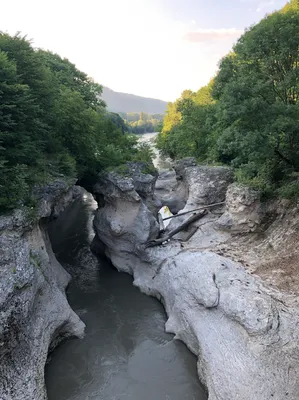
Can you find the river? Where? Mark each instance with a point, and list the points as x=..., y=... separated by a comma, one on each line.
x=160, y=162
x=126, y=354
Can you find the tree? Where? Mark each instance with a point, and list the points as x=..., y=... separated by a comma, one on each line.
x=21, y=131
x=257, y=88
x=188, y=131
x=142, y=122
x=248, y=116
x=52, y=122
x=66, y=74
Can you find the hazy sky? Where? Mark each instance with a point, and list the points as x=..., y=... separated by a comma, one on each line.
x=153, y=48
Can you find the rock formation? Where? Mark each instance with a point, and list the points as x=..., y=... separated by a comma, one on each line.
x=243, y=332
x=171, y=191
x=243, y=210
x=126, y=214
x=35, y=314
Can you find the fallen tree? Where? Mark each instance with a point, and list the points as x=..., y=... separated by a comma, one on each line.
x=184, y=225
x=196, y=209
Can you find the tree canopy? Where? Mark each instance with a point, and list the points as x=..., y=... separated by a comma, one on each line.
x=248, y=115
x=53, y=122
x=139, y=123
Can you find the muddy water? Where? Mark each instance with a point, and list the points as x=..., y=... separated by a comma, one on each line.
x=125, y=355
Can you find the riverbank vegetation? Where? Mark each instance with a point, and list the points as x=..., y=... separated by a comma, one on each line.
x=248, y=115
x=139, y=123
x=53, y=122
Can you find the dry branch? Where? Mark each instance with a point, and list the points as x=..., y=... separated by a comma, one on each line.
x=184, y=225
x=196, y=209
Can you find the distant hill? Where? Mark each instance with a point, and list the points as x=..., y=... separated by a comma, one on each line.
x=127, y=103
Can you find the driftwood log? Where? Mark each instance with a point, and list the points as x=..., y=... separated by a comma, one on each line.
x=196, y=209
x=184, y=225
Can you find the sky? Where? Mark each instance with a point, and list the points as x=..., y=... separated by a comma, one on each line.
x=152, y=48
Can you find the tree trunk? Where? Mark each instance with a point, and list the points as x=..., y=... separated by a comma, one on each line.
x=185, y=224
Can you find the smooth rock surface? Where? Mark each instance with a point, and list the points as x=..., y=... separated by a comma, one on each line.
x=170, y=191
x=125, y=216
x=34, y=312
x=244, y=333
x=204, y=185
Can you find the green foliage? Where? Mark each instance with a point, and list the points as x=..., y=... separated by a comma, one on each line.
x=289, y=191
x=149, y=168
x=172, y=118
x=187, y=126
x=139, y=123
x=13, y=185
x=52, y=122
x=144, y=152
x=248, y=116
x=257, y=88
x=122, y=169
x=64, y=164
x=291, y=5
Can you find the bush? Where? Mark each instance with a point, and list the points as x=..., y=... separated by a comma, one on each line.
x=144, y=152
x=289, y=191
x=14, y=189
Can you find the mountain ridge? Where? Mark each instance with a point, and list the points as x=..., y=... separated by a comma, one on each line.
x=131, y=103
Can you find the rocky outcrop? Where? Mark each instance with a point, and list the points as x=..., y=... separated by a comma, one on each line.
x=243, y=332
x=34, y=312
x=243, y=210
x=126, y=214
x=205, y=184
x=171, y=191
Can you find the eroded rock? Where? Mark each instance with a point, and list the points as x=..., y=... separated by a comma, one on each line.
x=244, y=335
x=243, y=210
x=34, y=312
x=170, y=191
x=126, y=215
x=205, y=185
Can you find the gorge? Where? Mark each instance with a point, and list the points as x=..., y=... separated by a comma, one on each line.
x=125, y=353
x=242, y=328
x=88, y=259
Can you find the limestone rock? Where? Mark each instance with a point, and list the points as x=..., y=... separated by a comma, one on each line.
x=170, y=191
x=126, y=214
x=181, y=165
x=137, y=182
x=244, y=334
x=204, y=185
x=35, y=314
x=243, y=210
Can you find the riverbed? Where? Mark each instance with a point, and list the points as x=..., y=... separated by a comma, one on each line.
x=126, y=354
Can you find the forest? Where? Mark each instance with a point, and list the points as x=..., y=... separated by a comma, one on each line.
x=139, y=123
x=248, y=115
x=53, y=123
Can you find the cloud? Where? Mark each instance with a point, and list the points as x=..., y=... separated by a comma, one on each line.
x=204, y=35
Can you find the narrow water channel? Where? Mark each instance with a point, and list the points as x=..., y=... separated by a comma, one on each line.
x=125, y=355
